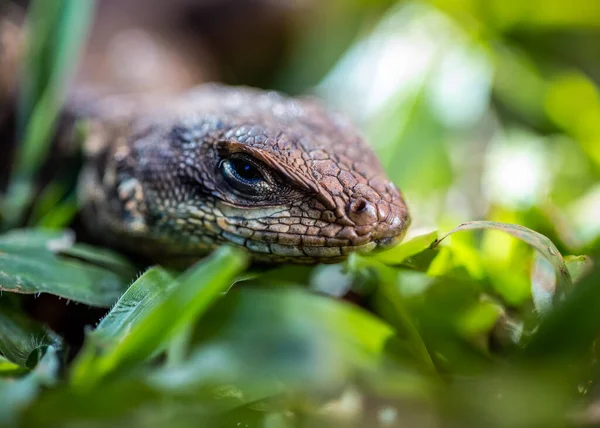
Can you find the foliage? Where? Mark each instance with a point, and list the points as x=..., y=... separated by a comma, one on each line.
x=478, y=114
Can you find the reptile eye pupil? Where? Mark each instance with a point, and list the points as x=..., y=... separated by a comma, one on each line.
x=246, y=170
x=243, y=175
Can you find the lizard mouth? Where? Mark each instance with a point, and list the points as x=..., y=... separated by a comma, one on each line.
x=305, y=248
x=386, y=243
x=292, y=237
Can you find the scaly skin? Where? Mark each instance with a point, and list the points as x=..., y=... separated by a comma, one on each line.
x=154, y=181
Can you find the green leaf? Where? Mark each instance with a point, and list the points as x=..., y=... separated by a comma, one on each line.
x=22, y=340
x=143, y=296
x=29, y=264
x=480, y=319
x=56, y=32
x=569, y=330
x=15, y=395
x=133, y=403
x=9, y=369
x=54, y=207
x=121, y=403
x=255, y=336
x=539, y=242
x=137, y=327
x=390, y=304
x=101, y=257
x=60, y=216
x=579, y=267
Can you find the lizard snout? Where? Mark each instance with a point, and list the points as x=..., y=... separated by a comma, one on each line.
x=379, y=213
x=393, y=223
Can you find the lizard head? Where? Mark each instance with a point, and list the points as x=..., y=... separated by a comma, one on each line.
x=282, y=177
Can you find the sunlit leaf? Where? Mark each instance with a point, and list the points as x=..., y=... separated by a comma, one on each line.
x=9, y=369
x=538, y=241
x=481, y=318
x=579, y=267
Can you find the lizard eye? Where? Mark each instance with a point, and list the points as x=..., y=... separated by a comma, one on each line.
x=243, y=175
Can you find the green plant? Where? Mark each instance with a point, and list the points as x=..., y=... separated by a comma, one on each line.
x=492, y=327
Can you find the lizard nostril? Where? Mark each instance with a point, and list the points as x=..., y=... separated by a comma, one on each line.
x=361, y=211
x=359, y=205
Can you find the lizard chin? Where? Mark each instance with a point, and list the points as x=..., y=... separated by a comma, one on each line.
x=387, y=243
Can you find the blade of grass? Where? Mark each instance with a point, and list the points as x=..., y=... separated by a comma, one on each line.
x=130, y=343
x=57, y=31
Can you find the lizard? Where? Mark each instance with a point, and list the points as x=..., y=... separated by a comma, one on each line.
x=286, y=178
x=173, y=177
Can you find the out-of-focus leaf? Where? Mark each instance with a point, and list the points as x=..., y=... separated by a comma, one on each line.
x=538, y=241
x=15, y=395
x=332, y=280
x=46, y=202
x=130, y=343
x=256, y=336
x=29, y=264
x=9, y=369
x=509, y=397
x=100, y=257
x=56, y=206
x=333, y=29
x=543, y=284
x=389, y=303
x=480, y=319
x=573, y=102
x=133, y=403
x=60, y=216
x=406, y=249
x=507, y=15
x=570, y=328
x=461, y=260
x=579, y=267
x=401, y=157
x=56, y=32
x=103, y=406
x=22, y=340
x=441, y=312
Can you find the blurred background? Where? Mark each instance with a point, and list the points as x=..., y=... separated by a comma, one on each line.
x=478, y=109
